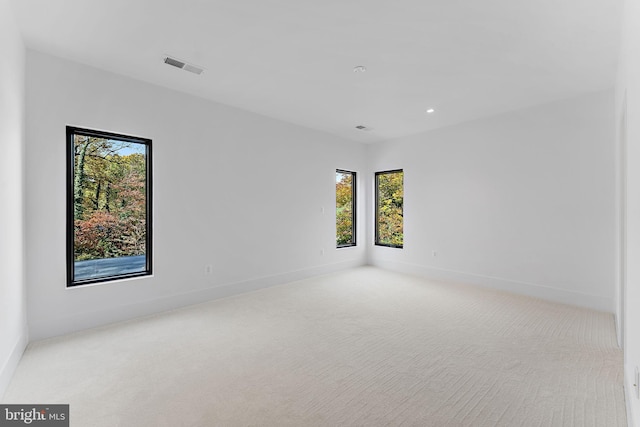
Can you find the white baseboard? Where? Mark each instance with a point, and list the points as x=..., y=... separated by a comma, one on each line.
x=616, y=322
x=633, y=415
x=6, y=372
x=529, y=289
x=80, y=321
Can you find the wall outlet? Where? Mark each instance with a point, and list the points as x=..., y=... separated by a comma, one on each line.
x=208, y=269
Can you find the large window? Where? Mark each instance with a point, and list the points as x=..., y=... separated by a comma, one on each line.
x=389, y=202
x=108, y=206
x=345, y=208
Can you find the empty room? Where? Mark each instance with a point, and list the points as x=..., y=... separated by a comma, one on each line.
x=327, y=213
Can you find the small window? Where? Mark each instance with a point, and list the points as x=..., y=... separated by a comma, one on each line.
x=389, y=208
x=345, y=208
x=108, y=206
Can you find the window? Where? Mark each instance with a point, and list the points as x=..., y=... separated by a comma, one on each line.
x=345, y=208
x=108, y=206
x=389, y=202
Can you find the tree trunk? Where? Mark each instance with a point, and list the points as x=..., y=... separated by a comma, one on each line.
x=107, y=197
x=96, y=202
x=78, y=182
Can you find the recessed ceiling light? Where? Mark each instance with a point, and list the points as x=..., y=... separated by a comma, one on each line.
x=431, y=110
x=359, y=69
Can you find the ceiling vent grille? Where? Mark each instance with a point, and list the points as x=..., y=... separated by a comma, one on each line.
x=183, y=65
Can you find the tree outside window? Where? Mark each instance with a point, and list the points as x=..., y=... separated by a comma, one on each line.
x=389, y=208
x=345, y=208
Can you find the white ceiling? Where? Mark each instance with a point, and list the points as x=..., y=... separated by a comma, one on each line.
x=293, y=59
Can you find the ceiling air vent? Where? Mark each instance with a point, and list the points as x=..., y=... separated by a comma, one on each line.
x=183, y=65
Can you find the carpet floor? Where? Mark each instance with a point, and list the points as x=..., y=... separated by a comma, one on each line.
x=363, y=347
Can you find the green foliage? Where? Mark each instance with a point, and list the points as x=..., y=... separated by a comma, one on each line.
x=390, y=187
x=109, y=199
x=344, y=209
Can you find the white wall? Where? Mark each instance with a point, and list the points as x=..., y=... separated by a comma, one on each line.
x=524, y=201
x=233, y=189
x=13, y=332
x=628, y=92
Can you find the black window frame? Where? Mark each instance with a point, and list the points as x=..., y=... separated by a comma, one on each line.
x=353, y=210
x=377, y=224
x=70, y=172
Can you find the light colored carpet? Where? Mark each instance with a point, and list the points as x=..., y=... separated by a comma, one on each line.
x=365, y=347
